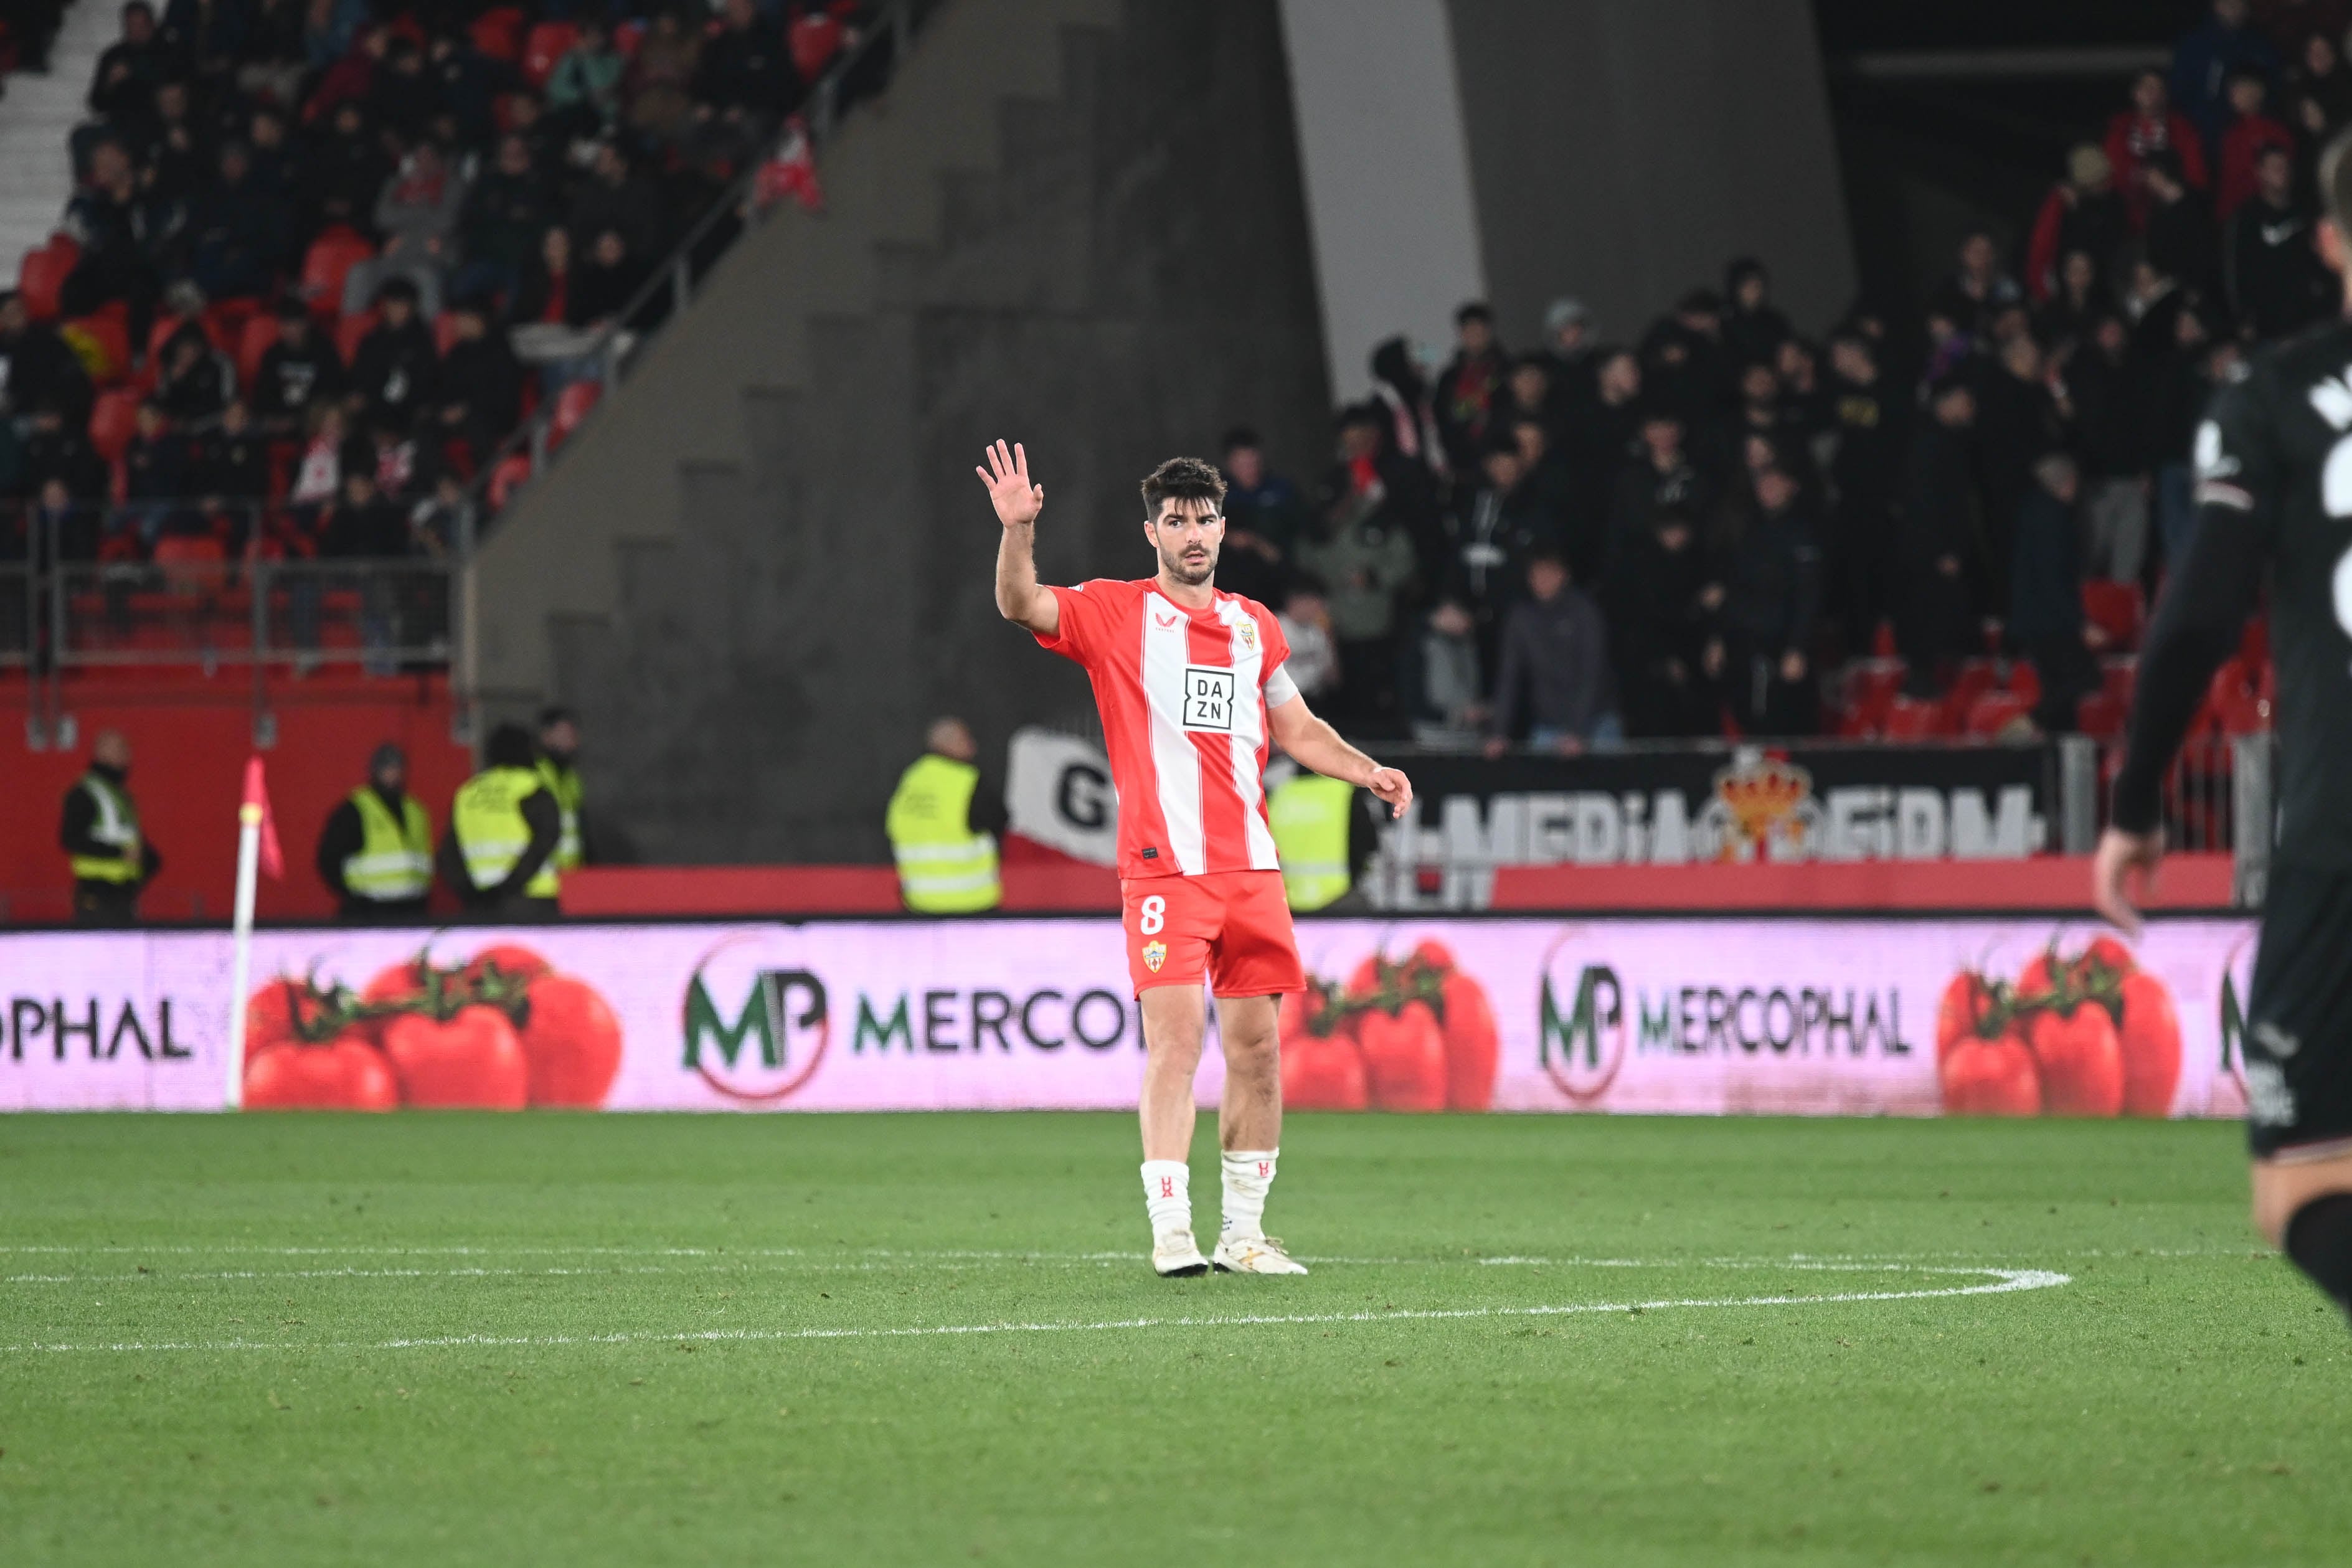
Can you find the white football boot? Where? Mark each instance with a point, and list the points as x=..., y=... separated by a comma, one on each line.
x=1254, y=1255
x=1176, y=1255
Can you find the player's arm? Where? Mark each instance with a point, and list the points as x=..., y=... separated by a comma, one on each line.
x=2198, y=623
x=1019, y=597
x=1313, y=744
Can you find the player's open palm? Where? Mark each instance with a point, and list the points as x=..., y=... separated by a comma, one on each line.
x=1016, y=500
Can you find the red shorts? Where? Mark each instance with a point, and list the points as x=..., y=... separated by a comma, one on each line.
x=1229, y=928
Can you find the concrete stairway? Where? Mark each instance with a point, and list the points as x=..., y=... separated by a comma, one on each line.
x=764, y=562
x=37, y=114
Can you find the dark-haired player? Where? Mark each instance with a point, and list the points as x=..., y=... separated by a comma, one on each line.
x=2273, y=462
x=1191, y=689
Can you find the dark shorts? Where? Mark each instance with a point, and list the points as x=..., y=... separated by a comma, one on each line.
x=2298, y=1040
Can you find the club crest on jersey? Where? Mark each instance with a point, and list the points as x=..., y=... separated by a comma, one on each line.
x=1155, y=953
x=1249, y=635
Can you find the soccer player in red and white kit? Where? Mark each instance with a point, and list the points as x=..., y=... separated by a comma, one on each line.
x=1191, y=689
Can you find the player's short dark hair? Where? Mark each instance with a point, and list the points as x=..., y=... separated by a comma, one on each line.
x=2336, y=181
x=1183, y=479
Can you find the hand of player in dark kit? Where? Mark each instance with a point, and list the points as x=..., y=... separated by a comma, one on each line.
x=2119, y=855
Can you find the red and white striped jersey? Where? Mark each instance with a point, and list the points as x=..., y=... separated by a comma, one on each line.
x=1184, y=696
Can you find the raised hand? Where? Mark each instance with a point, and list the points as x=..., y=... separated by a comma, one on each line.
x=1017, y=502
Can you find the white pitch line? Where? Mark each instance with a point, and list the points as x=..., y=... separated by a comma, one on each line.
x=2004, y=1280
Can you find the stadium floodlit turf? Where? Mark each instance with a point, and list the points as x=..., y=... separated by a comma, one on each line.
x=645, y=1340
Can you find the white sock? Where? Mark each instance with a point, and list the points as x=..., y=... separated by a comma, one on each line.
x=1168, y=1195
x=1249, y=1175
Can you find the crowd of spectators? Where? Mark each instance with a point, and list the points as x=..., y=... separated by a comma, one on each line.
x=323, y=256
x=1689, y=533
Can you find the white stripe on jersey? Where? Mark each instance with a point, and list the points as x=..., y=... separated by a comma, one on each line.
x=1175, y=761
x=1249, y=732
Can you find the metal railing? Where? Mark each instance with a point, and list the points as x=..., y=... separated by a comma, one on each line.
x=860, y=69
x=199, y=601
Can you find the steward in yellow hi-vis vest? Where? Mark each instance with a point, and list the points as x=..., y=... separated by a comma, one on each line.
x=939, y=825
x=559, y=764
x=1310, y=816
x=375, y=853
x=110, y=859
x=498, y=851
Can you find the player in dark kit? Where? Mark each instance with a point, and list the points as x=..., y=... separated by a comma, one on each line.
x=2273, y=462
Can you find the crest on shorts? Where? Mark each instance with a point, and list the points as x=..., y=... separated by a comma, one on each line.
x=1155, y=953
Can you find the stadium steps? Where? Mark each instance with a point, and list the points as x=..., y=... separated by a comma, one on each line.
x=767, y=563
x=38, y=116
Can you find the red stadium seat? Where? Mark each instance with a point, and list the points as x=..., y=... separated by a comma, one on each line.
x=259, y=332
x=2100, y=716
x=571, y=405
x=113, y=420
x=543, y=48
x=1915, y=718
x=41, y=276
x=498, y=34
x=1994, y=712
x=1971, y=680
x=626, y=37
x=2118, y=609
x=510, y=473
x=2025, y=681
x=328, y=262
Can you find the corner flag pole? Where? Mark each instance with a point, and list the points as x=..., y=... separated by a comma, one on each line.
x=257, y=845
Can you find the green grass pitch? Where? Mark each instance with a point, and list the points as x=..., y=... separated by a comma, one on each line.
x=460, y=1340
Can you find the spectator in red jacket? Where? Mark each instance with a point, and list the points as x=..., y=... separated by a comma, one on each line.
x=2082, y=213
x=2244, y=143
x=2150, y=126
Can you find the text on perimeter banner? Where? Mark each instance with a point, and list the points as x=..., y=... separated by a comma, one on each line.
x=1812, y=1016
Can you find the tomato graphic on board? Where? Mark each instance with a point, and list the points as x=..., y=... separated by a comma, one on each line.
x=1404, y=1059
x=1322, y=1067
x=471, y=1060
x=347, y=1073
x=500, y=1030
x=571, y=1041
x=1989, y=1077
x=2100, y=1034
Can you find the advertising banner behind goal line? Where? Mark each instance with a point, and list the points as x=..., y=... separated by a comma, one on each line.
x=1800, y=1016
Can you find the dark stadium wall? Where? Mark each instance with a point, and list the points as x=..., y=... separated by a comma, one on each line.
x=1622, y=150
x=766, y=562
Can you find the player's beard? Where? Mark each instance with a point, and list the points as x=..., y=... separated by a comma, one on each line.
x=1189, y=574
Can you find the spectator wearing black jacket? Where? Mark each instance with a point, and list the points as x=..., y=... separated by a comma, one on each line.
x=99, y=826
x=1654, y=597
x=194, y=381
x=480, y=382
x=362, y=524
x=1469, y=391
x=1768, y=560
x=2045, y=602
x=395, y=367
x=1753, y=327
x=2272, y=278
x=241, y=233
x=1657, y=477
x=1555, y=667
x=604, y=281
x=341, y=173
x=507, y=210
x=2107, y=392
x=615, y=196
x=114, y=228
x=1941, y=539
x=2017, y=422
x=229, y=471
x=301, y=367
x=2180, y=237
x=1865, y=474
x=36, y=366
x=123, y=89
x=745, y=83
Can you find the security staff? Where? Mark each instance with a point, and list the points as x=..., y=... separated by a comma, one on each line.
x=1321, y=834
x=497, y=853
x=942, y=828
x=559, y=753
x=376, y=850
x=112, y=859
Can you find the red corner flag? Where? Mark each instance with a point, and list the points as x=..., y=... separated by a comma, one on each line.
x=254, y=808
